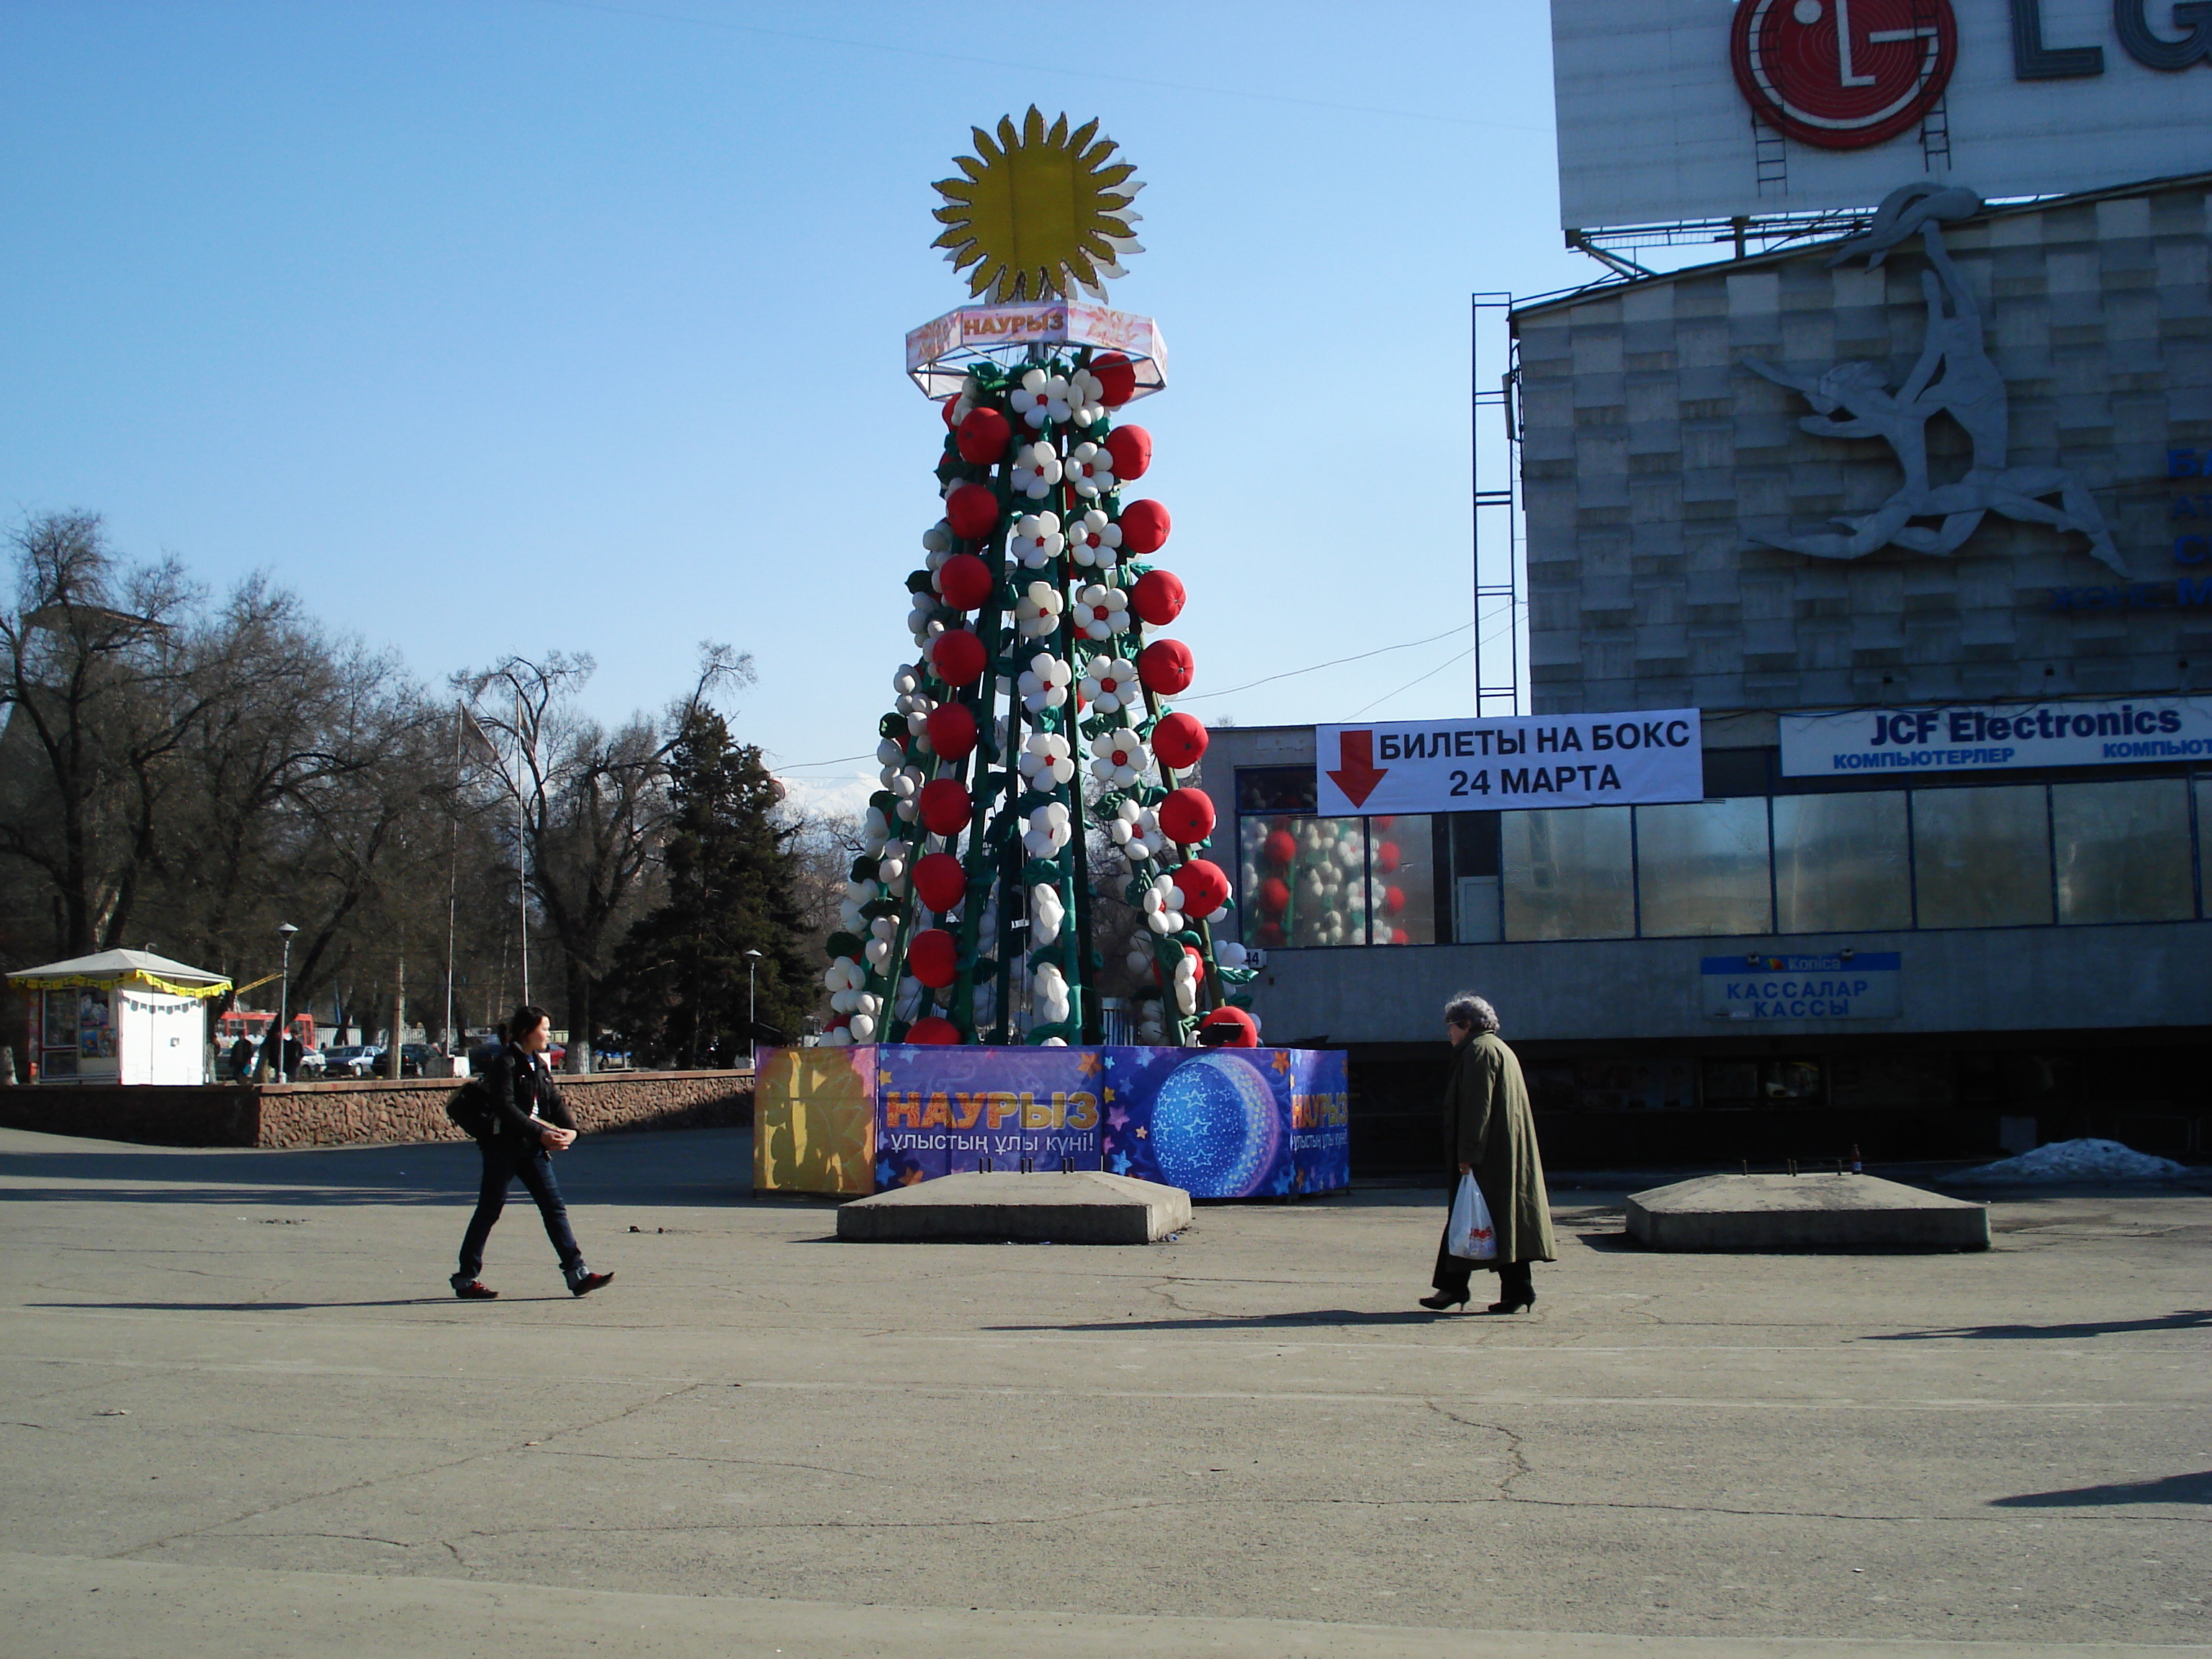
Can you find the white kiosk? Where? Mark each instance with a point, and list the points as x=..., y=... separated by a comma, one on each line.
x=118, y=1016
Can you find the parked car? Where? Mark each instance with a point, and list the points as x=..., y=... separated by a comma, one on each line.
x=312, y=1064
x=353, y=1060
x=415, y=1059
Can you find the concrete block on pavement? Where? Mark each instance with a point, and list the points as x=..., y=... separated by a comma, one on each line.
x=1088, y=1206
x=1802, y=1213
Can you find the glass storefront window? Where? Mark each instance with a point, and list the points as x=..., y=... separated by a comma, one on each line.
x=1701, y=867
x=2123, y=850
x=1981, y=857
x=1402, y=883
x=1305, y=879
x=1569, y=873
x=2205, y=846
x=1837, y=862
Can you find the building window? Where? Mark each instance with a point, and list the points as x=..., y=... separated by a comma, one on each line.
x=1837, y=863
x=2204, y=847
x=1569, y=873
x=2123, y=850
x=1305, y=878
x=1981, y=857
x=1402, y=882
x=1701, y=867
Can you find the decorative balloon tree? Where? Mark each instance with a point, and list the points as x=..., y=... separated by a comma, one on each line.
x=1031, y=760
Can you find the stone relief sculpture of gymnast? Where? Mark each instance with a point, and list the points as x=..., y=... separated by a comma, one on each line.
x=1953, y=376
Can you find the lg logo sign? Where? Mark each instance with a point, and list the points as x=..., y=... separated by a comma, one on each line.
x=1842, y=73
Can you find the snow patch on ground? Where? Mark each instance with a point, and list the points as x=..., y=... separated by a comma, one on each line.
x=2078, y=1160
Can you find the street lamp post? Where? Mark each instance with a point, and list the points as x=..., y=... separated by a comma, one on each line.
x=284, y=930
x=752, y=961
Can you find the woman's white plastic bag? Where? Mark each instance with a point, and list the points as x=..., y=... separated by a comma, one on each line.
x=1470, y=1236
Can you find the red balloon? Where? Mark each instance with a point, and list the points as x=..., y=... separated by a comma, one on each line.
x=973, y=512
x=1386, y=853
x=944, y=809
x=1117, y=378
x=1157, y=596
x=1394, y=900
x=1187, y=817
x=932, y=957
x=963, y=581
x=958, y=656
x=1131, y=447
x=1281, y=848
x=983, y=436
x=1204, y=889
x=1144, y=525
x=1399, y=936
x=1166, y=666
x=1271, y=933
x=951, y=727
x=1384, y=821
x=944, y=409
x=1242, y=1032
x=940, y=882
x=932, y=1029
x=1274, y=897
x=1179, y=740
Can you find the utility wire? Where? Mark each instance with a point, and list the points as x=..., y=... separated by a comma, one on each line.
x=1437, y=669
x=1314, y=668
x=1035, y=69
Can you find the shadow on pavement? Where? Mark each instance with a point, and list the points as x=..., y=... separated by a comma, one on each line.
x=1319, y=1318
x=248, y=1307
x=2196, y=1320
x=681, y=1167
x=2173, y=1489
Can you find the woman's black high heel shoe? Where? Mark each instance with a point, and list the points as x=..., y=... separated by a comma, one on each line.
x=1510, y=1307
x=1440, y=1302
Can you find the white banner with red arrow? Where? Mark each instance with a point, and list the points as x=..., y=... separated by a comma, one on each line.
x=1510, y=763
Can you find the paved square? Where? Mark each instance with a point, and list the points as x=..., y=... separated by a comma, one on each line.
x=242, y=1415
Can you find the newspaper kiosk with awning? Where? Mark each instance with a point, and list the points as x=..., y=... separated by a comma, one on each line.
x=118, y=1016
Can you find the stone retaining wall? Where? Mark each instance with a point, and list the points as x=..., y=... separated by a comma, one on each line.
x=356, y=1114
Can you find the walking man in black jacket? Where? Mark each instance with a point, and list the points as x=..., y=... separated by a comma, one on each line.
x=533, y=1123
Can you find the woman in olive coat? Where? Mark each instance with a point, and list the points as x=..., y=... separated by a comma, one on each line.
x=1493, y=1137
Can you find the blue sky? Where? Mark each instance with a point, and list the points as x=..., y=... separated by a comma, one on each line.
x=502, y=325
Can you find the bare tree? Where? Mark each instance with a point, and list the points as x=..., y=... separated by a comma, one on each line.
x=101, y=684
x=590, y=805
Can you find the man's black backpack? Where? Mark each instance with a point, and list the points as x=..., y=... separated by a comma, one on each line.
x=472, y=1110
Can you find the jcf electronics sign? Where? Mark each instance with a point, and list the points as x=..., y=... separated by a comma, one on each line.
x=1998, y=736
x=1645, y=756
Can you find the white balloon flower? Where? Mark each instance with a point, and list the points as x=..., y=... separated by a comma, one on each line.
x=1047, y=762
x=1090, y=471
x=1110, y=682
x=1041, y=398
x=1095, y=539
x=1035, y=471
x=1044, y=684
x=1037, y=541
x=1037, y=612
x=1119, y=758
x=1101, y=611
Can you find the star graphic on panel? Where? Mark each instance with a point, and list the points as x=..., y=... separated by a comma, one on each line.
x=1280, y=1060
x=1120, y=1162
x=885, y=1171
x=1087, y=1065
x=1117, y=1119
x=1142, y=1132
x=910, y=1177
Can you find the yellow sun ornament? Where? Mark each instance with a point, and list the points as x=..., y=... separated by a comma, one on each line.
x=1039, y=213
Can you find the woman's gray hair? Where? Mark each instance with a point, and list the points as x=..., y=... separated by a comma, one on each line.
x=1471, y=1011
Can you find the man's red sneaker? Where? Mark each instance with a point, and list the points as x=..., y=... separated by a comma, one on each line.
x=476, y=1291
x=588, y=1282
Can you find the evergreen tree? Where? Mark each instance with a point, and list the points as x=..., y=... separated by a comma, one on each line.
x=679, y=983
